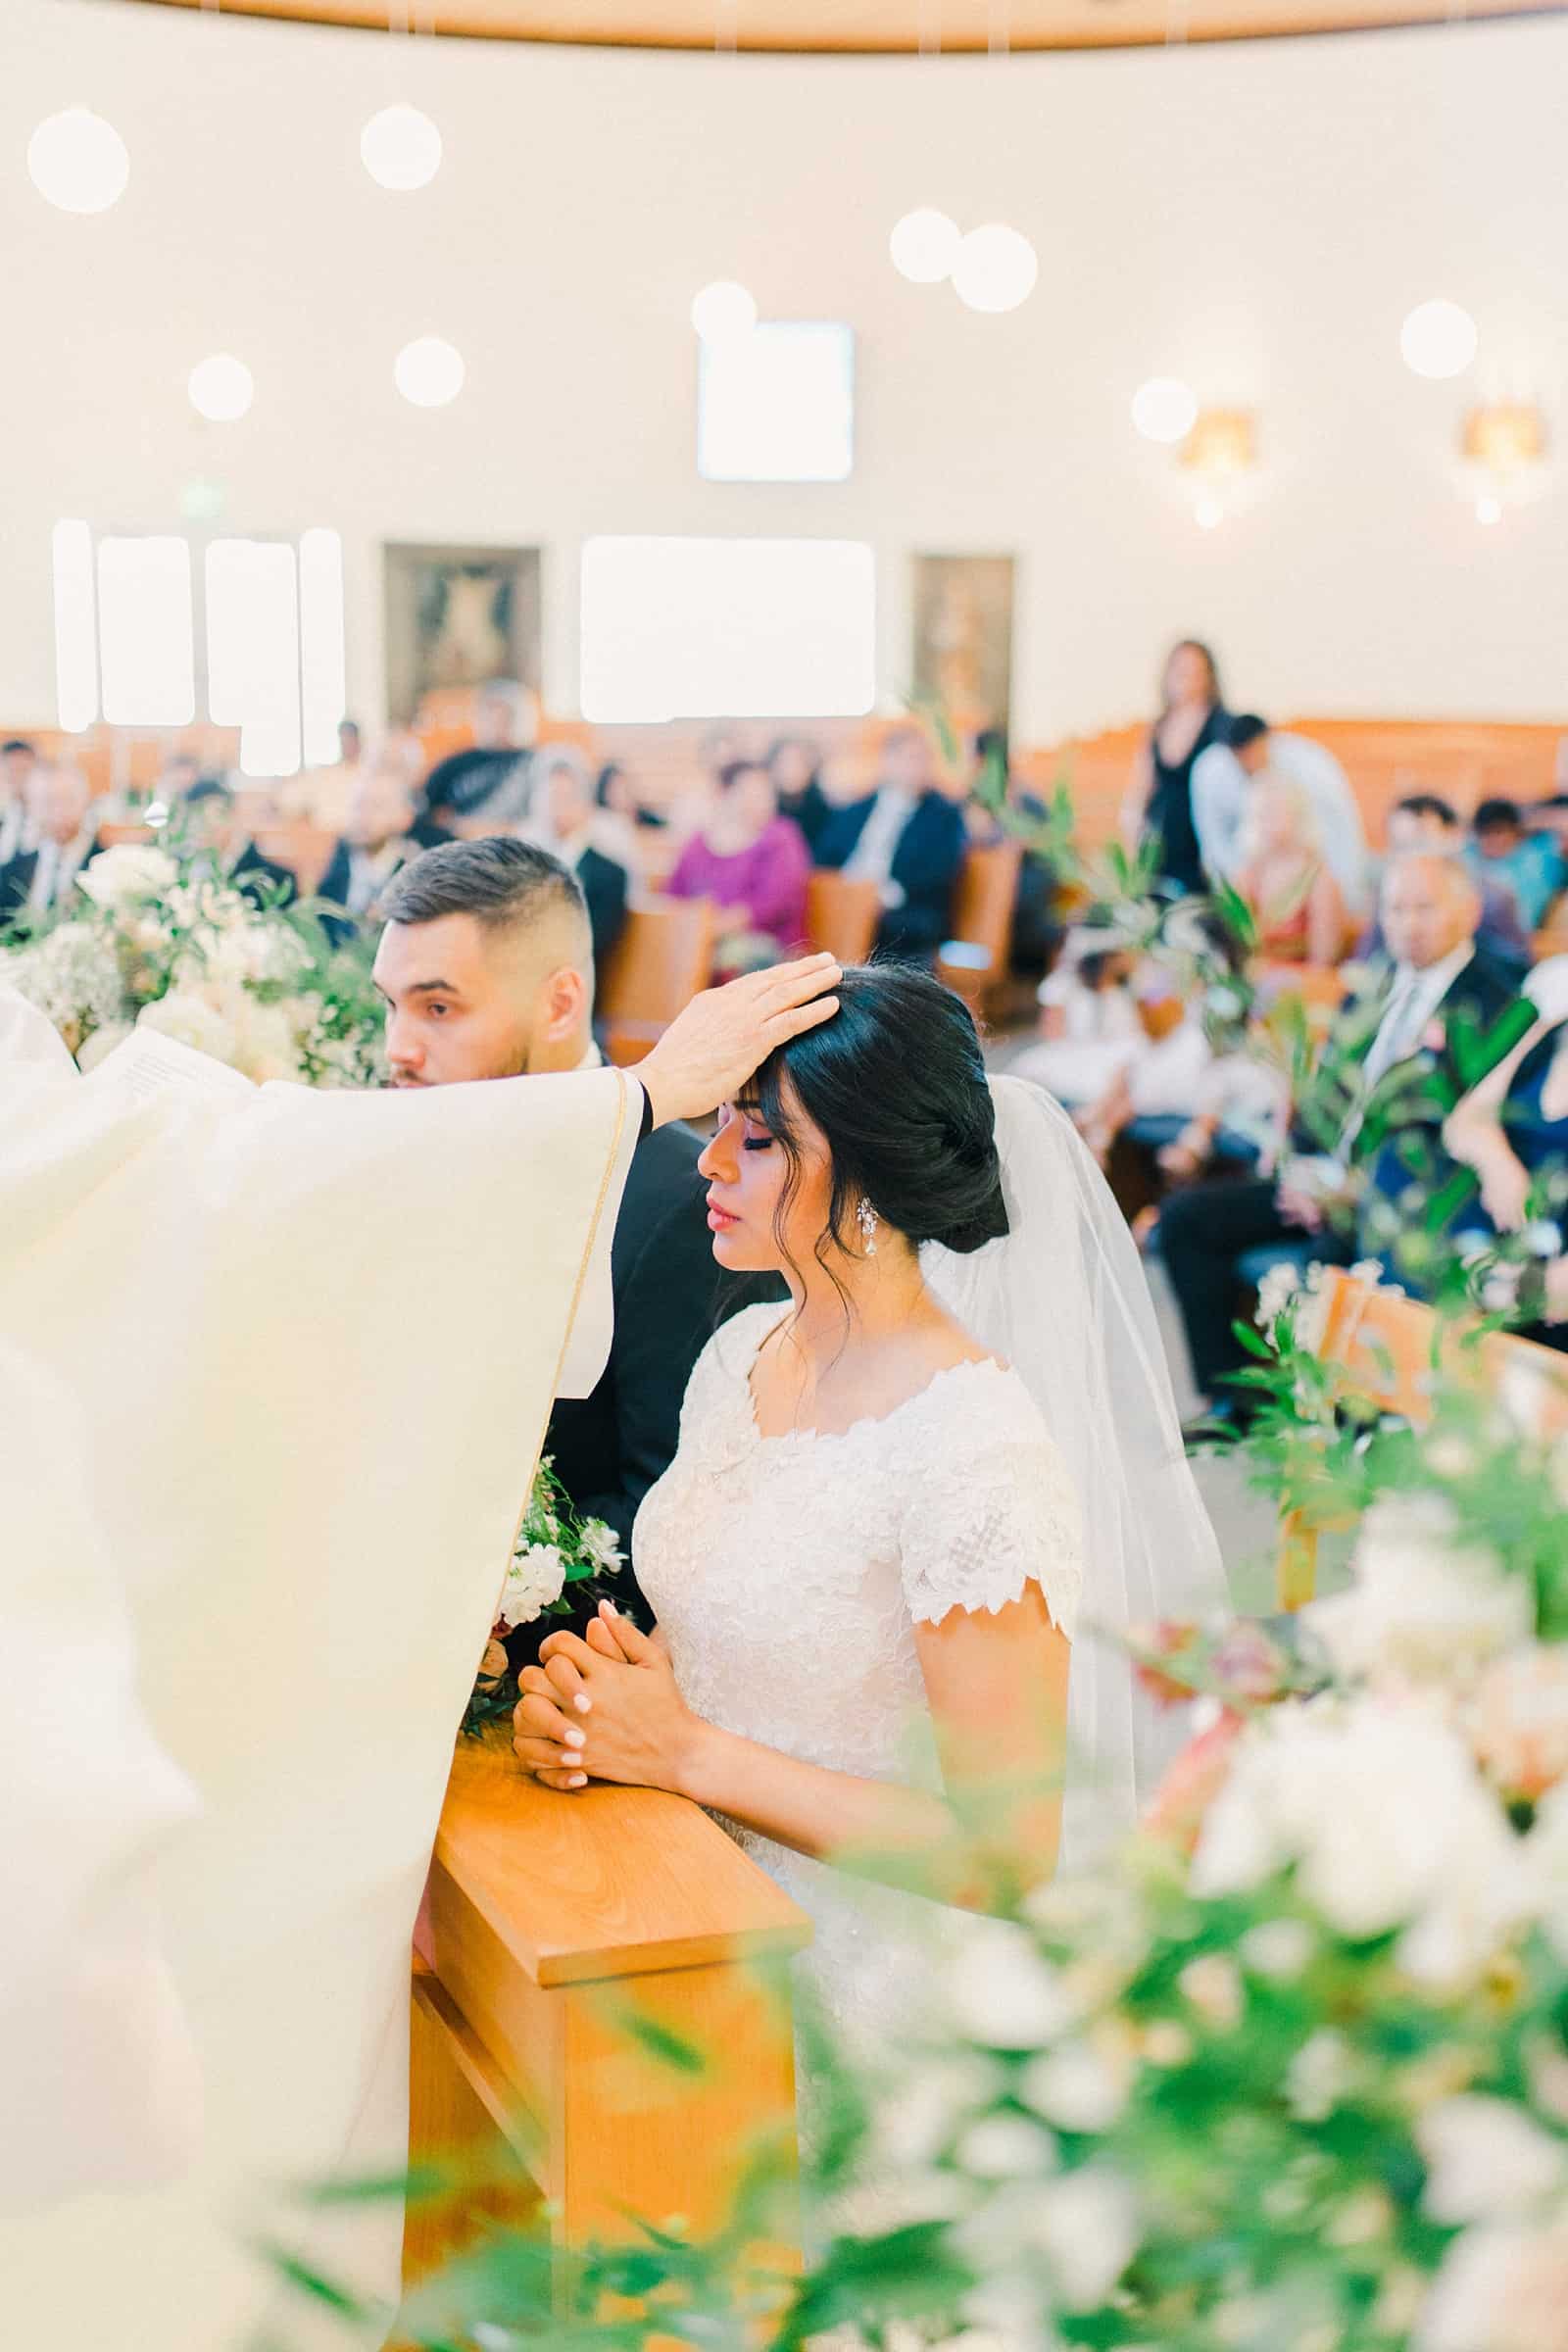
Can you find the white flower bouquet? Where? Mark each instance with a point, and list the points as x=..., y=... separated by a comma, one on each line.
x=556, y=1551
x=252, y=982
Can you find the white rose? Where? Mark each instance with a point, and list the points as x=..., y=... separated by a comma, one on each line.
x=1421, y=1605
x=1502, y=2288
x=187, y=1016
x=1086, y=2224
x=1382, y=1810
x=1486, y=2160
x=1213, y=1986
x=918, y=2118
x=1277, y=1948
x=1005, y=2147
x=267, y=1046
x=1075, y=2088
x=536, y=1577
x=1545, y=1855
x=1318, y=2076
x=600, y=1545
x=122, y=877
x=1004, y=1994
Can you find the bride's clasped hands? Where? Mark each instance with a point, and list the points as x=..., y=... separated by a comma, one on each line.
x=607, y=1708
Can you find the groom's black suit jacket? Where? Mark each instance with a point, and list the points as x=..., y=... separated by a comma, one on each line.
x=670, y=1296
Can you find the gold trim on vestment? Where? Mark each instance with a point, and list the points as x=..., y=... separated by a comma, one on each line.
x=571, y=1317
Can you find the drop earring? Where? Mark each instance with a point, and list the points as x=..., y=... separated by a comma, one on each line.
x=866, y=1218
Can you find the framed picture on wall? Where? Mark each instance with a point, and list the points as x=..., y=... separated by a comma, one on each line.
x=962, y=609
x=456, y=618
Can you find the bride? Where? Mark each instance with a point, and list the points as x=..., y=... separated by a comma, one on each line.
x=906, y=1508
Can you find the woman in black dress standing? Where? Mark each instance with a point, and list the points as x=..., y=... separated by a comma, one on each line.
x=1159, y=800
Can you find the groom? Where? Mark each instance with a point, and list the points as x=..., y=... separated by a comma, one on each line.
x=487, y=965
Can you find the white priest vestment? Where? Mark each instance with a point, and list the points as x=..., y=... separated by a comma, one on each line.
x=307, y=1344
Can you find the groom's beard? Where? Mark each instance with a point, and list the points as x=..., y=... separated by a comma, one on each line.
x=515, y=1062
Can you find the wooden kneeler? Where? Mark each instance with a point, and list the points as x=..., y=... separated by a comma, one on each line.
x=601, y=2020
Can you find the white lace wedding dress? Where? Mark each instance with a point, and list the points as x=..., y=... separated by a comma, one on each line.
x=788, y=1575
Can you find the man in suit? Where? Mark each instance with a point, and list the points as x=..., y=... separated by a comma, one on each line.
x=1406, y=1042
x=34, y=882
x=487, y=971
x=907, y=838
x=484, y=788
x=563, y=814
x=222, y=849
x=18, y=760
x=381, y=837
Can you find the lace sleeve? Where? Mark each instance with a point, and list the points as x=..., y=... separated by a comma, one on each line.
x=989, y=1516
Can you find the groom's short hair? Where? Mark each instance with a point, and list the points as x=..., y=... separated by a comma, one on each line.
x=504, y=884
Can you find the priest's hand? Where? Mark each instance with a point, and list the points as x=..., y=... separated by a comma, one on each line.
x=606, y=1709
x=711, y=1049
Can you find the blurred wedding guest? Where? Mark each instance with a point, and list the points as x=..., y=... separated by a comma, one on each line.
x=1530, y=865
x=1089, y=1025
x=1160, y=797
x=907, y=836
x=488, y=777
x=1430, y=913
x=487, y=965
x=378, y=843
x=1116, y=1043
x=754, y=864
x=1426, y=822
x=1514, y=1127
x=350, y=743
x=1222, y=778
x=18, y=760
x=794, y=764
x=221, y=849
x=563, y=817
x=324, y=796
x=37, y=880
x=619, y=800
x=1285, y=877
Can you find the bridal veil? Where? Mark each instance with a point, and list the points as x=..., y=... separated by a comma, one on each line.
x=1063, y=1300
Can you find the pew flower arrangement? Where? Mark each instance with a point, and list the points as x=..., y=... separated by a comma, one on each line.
x=256, y=984
x=1298, y=2073
x=556, y=1551
x=1295, y=2079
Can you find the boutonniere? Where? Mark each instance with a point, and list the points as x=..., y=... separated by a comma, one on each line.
x=1434, y=1038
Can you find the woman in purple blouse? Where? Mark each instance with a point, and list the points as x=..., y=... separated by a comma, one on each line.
x=754, y=864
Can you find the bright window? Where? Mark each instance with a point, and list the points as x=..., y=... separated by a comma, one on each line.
x=727, y=628
x=268, y=658
x=146, y=643
x=777, y=405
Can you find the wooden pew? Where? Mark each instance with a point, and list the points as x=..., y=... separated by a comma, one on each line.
x=981, y=923
x=842, y=916
x=305, y=848
x=660, y=961
x=565, y=1942
x=1381, y=1346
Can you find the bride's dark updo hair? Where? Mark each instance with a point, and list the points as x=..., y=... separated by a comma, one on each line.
x=897, y=1085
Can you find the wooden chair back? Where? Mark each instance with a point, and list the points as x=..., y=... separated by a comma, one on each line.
x=842, y=916
x=1384, y=1348
x=982, y=921
x=660, y=963
x=305, y=849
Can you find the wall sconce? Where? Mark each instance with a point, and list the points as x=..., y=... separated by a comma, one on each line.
x=1219, y=451
x=1502, y=445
